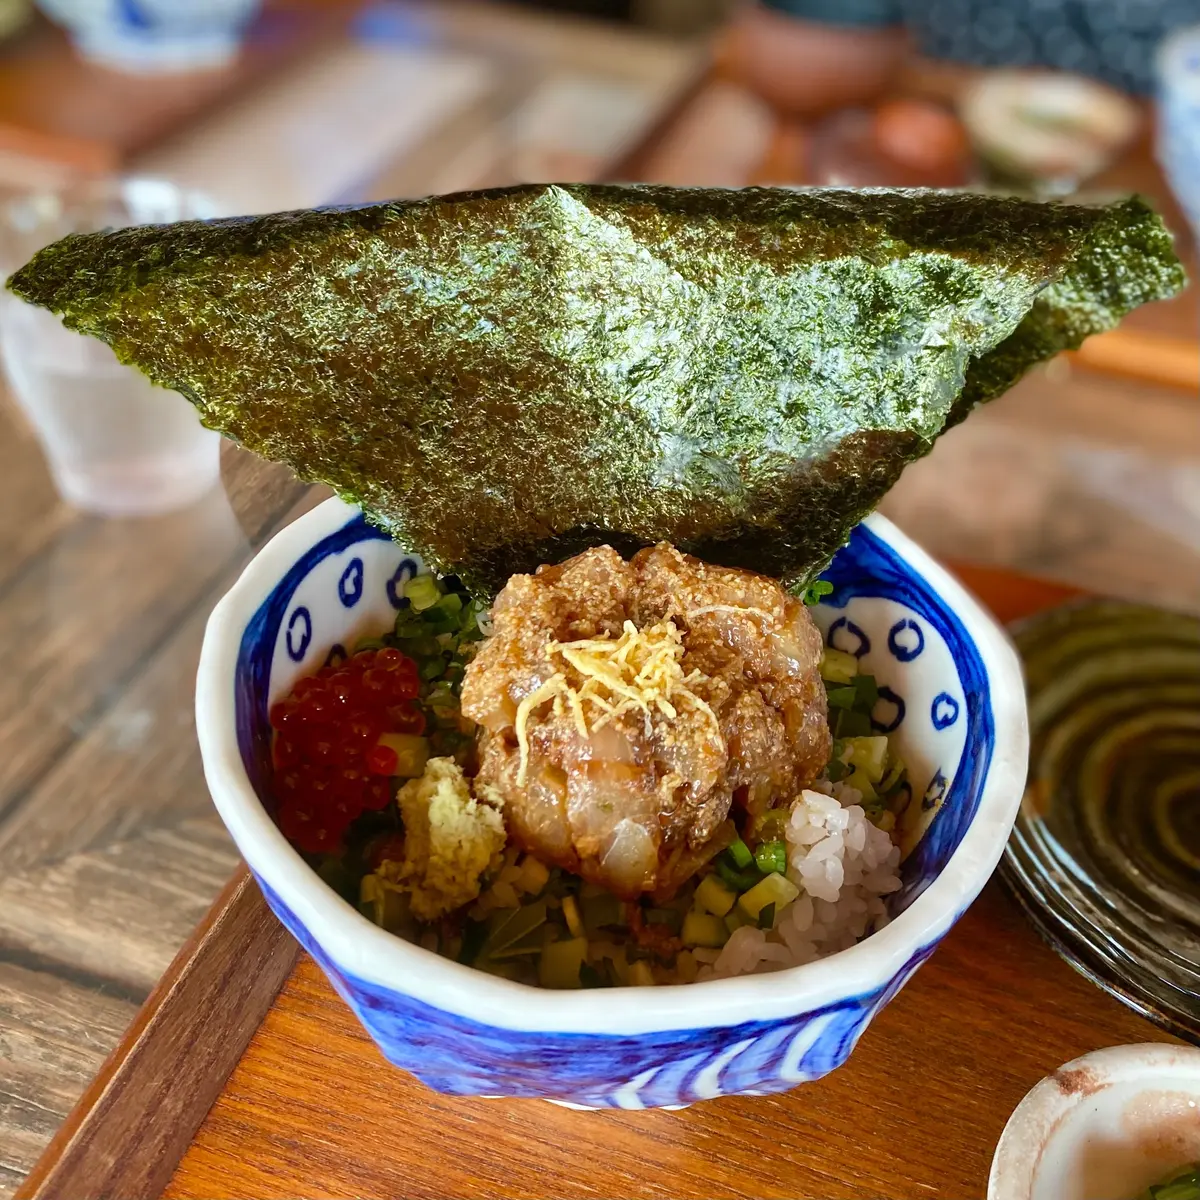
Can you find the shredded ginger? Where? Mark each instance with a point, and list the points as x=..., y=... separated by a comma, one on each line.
x=641, y=670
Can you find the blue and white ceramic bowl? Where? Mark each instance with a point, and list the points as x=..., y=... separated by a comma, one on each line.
x=951, y=692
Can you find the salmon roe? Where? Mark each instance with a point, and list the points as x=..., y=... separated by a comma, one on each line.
x=329, y=767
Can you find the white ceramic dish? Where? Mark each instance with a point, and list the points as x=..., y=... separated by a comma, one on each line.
x=1103, y=1127
x=952, y=698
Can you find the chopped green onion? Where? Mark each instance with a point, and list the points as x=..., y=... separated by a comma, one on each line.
x=852, y=724
x=837, y=666
x=738, y=880
x=771, y=856
x=837, y=770
x=841, y=697
x=766, y=916
x=816, y=590
x=422, y=592
x=431, y=669
x=867, y=693
x=703, y=929
x=739, y=853
x=601, y=911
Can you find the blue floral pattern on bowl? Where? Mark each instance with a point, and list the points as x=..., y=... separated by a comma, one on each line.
x=950, y=697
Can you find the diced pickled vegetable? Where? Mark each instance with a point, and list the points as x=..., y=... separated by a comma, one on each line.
x=837, y=666
x=858, y=779
x=560, y=963
x=735, y=919
x=640, y=975
x=766, y=916
x=412, y=753
x=686, y=966
x=534, y=875
x=715, y=896
x=774, y=889
x=570, y=908
x=703, y=929
x=868, y=754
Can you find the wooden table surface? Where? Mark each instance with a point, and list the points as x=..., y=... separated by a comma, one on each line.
x=109, y=850
x=312, y=1110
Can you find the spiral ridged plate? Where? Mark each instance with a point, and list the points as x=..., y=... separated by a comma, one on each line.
x=1105, y=856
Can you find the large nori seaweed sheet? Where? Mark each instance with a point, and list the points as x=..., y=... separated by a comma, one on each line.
x=502, y=378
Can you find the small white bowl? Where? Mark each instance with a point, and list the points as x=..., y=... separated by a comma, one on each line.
x=1103, y=1127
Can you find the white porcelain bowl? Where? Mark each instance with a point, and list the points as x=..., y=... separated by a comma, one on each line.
x=951, y=698
x=1103, y=1127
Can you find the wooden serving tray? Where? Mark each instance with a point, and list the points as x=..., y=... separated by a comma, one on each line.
x=246, y=1076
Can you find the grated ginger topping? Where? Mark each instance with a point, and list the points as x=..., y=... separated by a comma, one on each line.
x=641, y=670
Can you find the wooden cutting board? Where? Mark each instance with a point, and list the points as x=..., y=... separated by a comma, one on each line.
x=246, y=1076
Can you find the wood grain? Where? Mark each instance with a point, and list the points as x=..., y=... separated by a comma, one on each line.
x=142, y=1108
x=313, y=1110
x=54, y=1036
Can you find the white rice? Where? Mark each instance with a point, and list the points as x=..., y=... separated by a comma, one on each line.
x=843, y=866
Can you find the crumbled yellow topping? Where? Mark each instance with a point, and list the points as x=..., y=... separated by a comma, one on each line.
x=640, y=670
x=451, y=839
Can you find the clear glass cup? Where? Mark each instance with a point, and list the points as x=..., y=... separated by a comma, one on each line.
x=114, y=442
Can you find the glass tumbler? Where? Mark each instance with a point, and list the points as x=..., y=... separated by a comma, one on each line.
x=115, y=443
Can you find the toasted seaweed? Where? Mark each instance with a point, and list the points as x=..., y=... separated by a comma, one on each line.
x=503, y=378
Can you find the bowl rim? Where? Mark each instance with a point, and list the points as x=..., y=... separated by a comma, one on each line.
x=1038, y=1121
x=359, y=948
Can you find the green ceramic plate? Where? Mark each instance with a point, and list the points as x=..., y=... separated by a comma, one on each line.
x=1105, y=855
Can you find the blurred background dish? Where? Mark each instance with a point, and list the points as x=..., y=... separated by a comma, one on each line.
x=1045, y=130
x=1106, y=851
x=155, y=36
x=1107, y=1126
